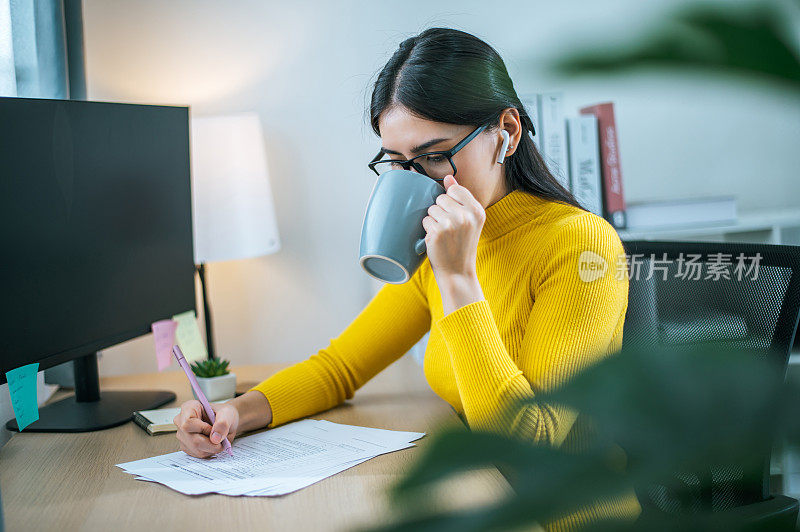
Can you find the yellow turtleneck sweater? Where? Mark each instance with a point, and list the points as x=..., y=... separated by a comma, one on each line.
x=539, y=325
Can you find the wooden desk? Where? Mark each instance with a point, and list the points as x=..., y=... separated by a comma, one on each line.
x=69, y=481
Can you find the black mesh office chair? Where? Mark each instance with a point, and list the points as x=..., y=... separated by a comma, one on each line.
x=745, y=294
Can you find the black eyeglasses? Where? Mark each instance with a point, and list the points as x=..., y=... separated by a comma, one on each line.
x=435, y=164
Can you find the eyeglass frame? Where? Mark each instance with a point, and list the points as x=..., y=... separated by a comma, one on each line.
x=418, y=167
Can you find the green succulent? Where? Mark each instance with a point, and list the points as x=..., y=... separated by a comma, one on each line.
x=214, y=367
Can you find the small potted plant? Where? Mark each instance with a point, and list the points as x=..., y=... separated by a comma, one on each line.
x=214, y=379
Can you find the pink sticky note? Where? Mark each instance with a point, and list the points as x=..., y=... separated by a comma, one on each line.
x=164, y=336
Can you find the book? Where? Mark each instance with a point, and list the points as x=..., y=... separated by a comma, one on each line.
x=718, y=210
x=611, y=171
x=531, y=103
x=584, y=162
x=547, y=114
x=554, y=135
x=158, y=421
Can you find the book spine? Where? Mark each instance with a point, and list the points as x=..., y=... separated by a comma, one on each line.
x=554, y=135
x=141, y=421
x=613, y=195
x=584, y=162
x=531, y=103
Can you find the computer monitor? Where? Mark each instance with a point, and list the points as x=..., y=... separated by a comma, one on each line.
x=96, y=242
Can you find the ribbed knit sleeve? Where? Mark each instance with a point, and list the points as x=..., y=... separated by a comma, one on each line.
x=393, y=321
x=572, y=324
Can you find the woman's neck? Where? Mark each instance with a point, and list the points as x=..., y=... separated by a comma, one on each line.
x=501, y=190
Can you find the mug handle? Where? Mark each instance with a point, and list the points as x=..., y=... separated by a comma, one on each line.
x=420, y=247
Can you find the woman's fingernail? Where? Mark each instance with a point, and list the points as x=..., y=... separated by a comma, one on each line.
x=216, y=437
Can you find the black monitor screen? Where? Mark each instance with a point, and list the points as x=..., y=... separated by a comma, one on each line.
x=95, y=225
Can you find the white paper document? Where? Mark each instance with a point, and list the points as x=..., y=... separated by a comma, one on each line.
x=273, y=462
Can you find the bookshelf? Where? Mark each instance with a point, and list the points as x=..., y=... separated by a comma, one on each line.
x=772, y=226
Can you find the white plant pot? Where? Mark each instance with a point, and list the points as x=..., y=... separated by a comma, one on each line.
x=217, y=388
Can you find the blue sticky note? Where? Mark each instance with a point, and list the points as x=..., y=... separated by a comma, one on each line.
x=22, y=387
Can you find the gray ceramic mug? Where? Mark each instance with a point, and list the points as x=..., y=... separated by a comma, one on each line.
x=392, y=237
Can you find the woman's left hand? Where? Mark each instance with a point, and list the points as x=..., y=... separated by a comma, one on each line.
x=453, y=226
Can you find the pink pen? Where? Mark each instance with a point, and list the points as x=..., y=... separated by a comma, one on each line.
x=199, y=393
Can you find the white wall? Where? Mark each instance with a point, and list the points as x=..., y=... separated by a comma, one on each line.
x=306, y=68
x=8, y=78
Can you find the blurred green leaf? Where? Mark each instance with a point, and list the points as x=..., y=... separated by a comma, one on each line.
x=752, y=39
x=672, y=409
x=455, y=452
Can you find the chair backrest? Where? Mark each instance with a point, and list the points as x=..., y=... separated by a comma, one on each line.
x=690, y=292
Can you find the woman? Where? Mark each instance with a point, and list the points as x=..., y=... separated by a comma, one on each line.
x=500, y=291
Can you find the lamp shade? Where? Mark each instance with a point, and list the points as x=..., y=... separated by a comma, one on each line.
x=233, y=211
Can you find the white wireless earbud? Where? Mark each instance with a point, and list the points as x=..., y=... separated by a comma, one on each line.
x=504, y=148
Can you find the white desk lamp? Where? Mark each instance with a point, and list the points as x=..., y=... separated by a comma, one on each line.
x=233, y=211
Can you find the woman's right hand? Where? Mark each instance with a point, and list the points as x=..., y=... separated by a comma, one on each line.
x=195, y=433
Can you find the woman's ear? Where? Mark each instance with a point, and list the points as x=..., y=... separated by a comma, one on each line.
x=511, y=124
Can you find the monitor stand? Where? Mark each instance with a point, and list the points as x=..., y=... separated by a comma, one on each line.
x=90, y=409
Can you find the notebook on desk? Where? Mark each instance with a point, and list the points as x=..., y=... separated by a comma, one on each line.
x=158, y=421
